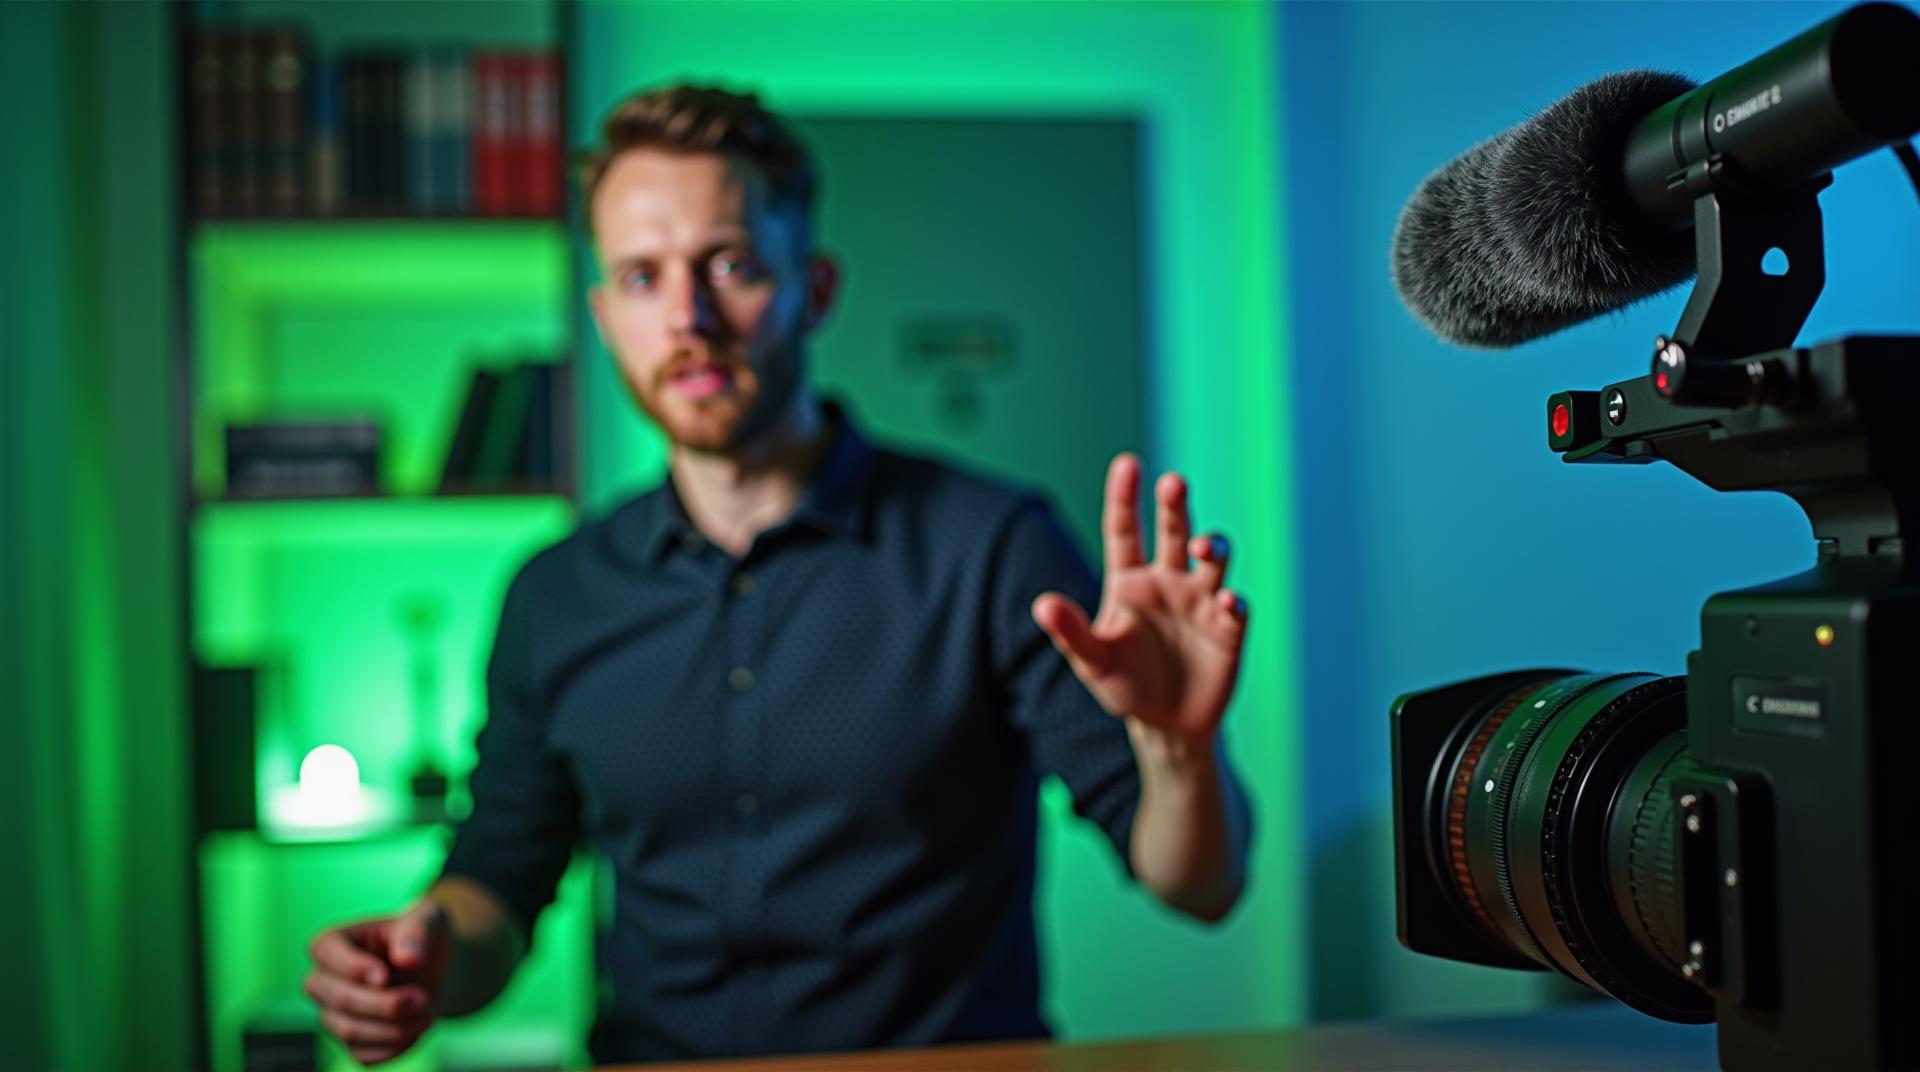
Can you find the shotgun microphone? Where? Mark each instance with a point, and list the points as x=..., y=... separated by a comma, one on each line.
x=1587, y=207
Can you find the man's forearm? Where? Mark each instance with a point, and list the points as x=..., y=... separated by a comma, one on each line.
x=487, y=945
x=1190, y=826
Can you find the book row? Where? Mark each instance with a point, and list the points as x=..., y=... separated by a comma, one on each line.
x=275, y=130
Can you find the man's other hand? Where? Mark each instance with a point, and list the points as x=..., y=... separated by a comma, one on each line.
x=1164, y=649
x=376, y=982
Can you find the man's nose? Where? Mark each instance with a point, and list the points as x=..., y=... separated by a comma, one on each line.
x=690, y=307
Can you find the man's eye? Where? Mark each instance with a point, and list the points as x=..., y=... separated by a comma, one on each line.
x=736, y=268
x=637, y=279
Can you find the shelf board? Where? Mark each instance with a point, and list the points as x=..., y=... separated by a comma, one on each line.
x=202, y=223
x=459, y=495
x=386, y=518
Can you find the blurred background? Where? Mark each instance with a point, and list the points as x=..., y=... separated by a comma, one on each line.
x=295, y=370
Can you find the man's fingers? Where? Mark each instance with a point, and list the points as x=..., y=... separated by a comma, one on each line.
x=342, y=995
x=1210, y=559
x=1230, y=611
x=361, y=1031
x=1172, y=527
x=1065, y=623
x=1119, y=516
x=338, y=954
x=411, y=933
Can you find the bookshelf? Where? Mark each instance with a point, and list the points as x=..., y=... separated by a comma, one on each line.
x=343, y=287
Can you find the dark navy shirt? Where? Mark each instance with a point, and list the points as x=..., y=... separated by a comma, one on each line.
x=813, y=769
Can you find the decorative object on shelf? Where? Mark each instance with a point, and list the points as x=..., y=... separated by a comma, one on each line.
x=303, y=459
x=423, y=618
x=225, y=706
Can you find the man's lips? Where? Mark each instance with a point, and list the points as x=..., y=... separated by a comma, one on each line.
x=700, y=380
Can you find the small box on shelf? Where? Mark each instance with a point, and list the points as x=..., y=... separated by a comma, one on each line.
x=287, y=459
x=281, y=1036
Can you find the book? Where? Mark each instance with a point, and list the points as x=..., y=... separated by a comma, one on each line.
x=390, y=146
x=207, y=133
x=537, y=451
x=492, y=136
x=450, y=149
x=283, y=97
x=419, y=121
x=356, y=119
x=463, y=447
x=541, y=181
x=326, y=145
x=497, y=465
x=240, y=124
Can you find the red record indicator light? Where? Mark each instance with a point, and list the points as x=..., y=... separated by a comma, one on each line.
x=1571, y=419
x=1669, y=365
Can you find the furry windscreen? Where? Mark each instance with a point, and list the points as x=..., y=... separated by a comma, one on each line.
x=1532, y=231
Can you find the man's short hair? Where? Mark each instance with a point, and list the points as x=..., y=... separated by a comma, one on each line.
x=706, y=119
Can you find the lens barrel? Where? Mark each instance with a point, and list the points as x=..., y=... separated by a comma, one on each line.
x=1547, y=820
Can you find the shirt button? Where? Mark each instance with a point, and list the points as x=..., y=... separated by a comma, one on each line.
x=742, y=584
x=739, y=679
x=746, y=805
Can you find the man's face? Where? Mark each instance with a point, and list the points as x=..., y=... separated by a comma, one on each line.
x=705, y=294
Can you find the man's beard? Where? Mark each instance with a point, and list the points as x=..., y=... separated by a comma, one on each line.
x=773, y=390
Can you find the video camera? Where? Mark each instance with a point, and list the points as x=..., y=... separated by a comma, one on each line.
x=1735, y=845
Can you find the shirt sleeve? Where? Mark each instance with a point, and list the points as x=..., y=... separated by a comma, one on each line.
x=520, y=835
x=1070, y=735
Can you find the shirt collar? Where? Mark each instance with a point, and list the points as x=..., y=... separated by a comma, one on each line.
x=833, y=502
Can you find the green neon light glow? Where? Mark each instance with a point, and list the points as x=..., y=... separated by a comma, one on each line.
x=314, y=593
x=1201, y=78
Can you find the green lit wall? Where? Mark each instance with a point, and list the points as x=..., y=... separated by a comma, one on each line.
x=1200, y=78
x=93, y=902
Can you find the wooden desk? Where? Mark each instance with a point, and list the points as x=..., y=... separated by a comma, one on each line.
x=1591, y=1038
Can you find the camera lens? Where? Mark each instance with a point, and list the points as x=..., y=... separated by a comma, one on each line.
x=1548, y=819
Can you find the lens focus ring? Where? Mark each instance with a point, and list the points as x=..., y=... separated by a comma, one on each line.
x=1509, y=778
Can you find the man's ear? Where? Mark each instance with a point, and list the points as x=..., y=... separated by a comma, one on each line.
x=823, y=285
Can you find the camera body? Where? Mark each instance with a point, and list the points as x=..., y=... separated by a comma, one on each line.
x=1733, y=845
x=1791, y=829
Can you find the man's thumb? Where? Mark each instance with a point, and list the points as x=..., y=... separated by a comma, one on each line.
x=411, y=933
x=1066, y=625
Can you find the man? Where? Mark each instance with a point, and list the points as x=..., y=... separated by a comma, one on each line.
x=801, y=695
